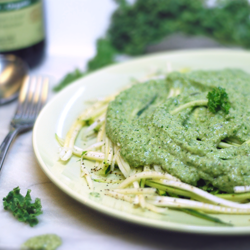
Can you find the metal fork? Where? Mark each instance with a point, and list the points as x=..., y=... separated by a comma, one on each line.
x=32, y=97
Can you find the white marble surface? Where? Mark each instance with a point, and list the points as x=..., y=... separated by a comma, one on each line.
x=77, y=225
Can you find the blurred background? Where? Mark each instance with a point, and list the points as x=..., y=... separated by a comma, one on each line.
x=89, y=34
x=72, y=29
x=74, y=26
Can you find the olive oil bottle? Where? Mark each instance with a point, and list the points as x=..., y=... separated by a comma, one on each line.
x=22, y=30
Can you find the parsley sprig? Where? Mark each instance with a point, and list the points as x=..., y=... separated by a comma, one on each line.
x=22, y=206
x=218, y=100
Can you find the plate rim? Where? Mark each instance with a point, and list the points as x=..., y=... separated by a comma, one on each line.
x=149, y=222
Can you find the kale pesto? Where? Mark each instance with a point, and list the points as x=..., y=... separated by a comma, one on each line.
x=194, y=144
x=42, y=242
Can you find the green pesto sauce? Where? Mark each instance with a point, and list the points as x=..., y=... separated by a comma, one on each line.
x=42, y=242
x=186, y=144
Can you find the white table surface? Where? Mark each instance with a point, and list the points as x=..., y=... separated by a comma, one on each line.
x=79, y=227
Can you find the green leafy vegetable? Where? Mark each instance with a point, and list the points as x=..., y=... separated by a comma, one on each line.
x=218, y=100
x=104, y=56
x=22, y=207
x=135, y=26
x=69, y=78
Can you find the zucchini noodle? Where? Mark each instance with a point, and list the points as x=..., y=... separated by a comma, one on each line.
x=148, y=186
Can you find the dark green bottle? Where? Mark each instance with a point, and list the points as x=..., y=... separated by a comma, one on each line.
x=22, y=30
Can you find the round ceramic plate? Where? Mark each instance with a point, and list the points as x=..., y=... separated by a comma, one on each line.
x=58, y=115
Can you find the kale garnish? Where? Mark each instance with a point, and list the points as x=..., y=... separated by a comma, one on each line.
x=22, y=207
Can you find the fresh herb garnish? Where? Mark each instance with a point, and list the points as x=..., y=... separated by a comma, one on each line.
x=218, y=100
x=22, y=207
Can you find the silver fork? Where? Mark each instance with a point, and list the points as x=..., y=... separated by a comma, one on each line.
x=32, y=97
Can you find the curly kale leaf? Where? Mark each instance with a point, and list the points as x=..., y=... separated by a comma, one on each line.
x=104, y=56
x=218, y=100
x=135, y=26
x=22, y=207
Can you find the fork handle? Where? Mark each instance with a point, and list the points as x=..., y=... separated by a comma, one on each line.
x=6, y=144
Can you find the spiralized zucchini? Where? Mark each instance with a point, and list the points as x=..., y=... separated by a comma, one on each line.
x=148, y=187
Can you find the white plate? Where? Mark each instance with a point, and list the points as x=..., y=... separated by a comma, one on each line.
x=59, y=114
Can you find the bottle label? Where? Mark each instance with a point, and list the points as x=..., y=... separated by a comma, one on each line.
x=21, y=24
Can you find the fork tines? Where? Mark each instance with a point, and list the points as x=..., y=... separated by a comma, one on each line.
x=32, y=97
